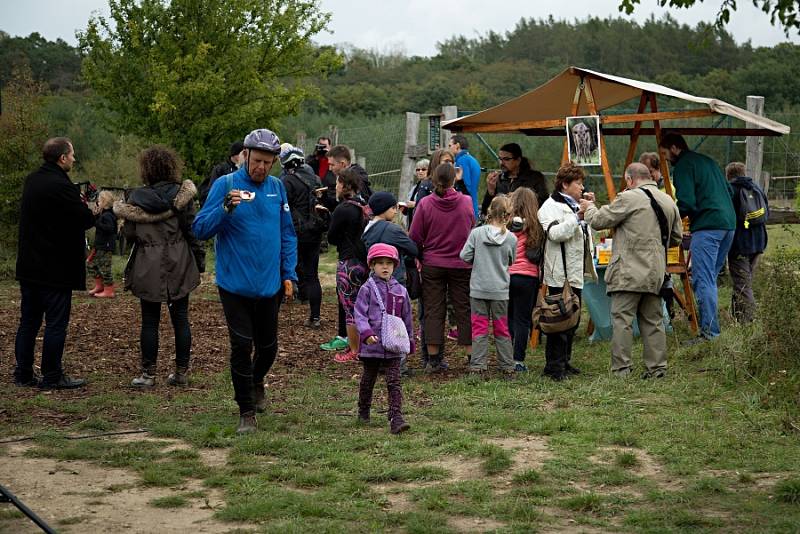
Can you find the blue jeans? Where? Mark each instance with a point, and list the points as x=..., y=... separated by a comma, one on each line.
x=709, y=249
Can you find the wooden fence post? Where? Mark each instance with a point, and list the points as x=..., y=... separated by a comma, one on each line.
x=450, y=113
x=409, y=153
x=755, y=145
x=301, y=142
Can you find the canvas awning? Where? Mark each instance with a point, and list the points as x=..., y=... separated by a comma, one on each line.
x=547, y=106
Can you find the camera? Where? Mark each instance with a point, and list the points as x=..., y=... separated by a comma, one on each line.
x=320, y=149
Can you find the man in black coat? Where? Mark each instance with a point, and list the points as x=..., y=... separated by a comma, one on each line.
x=51, y=257
x=515, y=172
x=228, y=166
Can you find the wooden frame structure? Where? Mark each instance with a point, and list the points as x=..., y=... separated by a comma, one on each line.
x=584, y=101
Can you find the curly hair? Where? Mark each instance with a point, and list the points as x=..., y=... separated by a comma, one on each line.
x=159, y=163
x=567, y=174
x=351, y=182
x=524, y=204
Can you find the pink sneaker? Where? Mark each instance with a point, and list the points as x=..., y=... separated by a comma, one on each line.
x=452, y=335
x=344, y=357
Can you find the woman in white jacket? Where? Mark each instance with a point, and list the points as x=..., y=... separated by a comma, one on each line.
x=562, y=219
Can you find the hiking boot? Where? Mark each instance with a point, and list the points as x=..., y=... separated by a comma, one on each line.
x=106, y=293
x=247, y=423
x=335, y=344
x=345, y=357
x=520, y=367
x=144, y=381
x=556, y=377
x=64, y=382
x=363, y=415
x=398, y=425
x=436, y=365
x=570, y=370
x=179, y=378
x=98, y=285
x=314, y=323
x=658, y=373
x=261, y=398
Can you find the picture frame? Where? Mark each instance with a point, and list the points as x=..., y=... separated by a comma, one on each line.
x=583, y=140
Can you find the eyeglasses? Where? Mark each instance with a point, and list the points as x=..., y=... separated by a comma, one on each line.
x=422, y=168
x=506, y=158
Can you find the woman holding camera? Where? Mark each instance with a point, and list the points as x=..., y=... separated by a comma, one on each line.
x=561, y=218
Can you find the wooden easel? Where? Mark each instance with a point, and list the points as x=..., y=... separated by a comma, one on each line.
x=584, y=87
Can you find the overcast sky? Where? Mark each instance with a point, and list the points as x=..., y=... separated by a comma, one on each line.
x=412, y=26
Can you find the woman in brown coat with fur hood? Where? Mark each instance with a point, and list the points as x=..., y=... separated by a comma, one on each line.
x=166, y=259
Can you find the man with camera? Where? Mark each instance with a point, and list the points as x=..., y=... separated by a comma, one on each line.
x=248, y=212
x=320, y=164
x=645, y=221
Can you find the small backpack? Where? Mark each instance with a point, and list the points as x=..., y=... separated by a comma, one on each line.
x=751, y=208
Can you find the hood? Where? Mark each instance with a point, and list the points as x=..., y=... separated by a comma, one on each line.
x=144, y=203
x=743, y=181
x=448, y=202
x=370, y=225
x=493, y=236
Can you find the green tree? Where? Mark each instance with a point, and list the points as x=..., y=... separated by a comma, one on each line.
x=785, y=12
x=22, y=133
x=198, y=74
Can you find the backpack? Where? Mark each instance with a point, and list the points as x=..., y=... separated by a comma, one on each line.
x=751, y=208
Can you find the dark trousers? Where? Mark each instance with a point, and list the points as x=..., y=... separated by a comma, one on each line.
x=252, y=323
x=151, y=317
x=341, y=320
x=522, y=298
x=558, y=350
x=444, y=285
x=391, y=368
x=37, y=303
x=308, y=285
x=742, y=268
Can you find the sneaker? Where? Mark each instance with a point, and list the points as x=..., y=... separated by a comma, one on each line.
x=64, y=382
x=247, y=423
x=335, y=344
x=179, y=378
x=452, y=334
x=344, y=357
x=261, y=398
x=520, y=367
x=315, y=323
x=144, y=381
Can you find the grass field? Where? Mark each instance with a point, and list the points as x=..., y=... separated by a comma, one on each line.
x=700, y=451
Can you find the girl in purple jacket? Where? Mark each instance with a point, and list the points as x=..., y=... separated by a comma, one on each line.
x=380, y=298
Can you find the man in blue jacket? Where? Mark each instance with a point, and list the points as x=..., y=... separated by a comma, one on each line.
x=256, y=256
x=470, y=169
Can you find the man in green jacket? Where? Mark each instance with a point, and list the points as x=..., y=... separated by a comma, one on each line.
x=705, y=196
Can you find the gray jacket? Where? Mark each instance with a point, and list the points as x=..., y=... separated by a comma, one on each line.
x=491, y=252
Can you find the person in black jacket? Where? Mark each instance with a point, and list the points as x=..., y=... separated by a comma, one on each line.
x=515, y=172
x=105, y=239
x=749, y=242
x=235, y=158
x=311, y=220
x=339, y=157
x=50, y=264
x=347, y=224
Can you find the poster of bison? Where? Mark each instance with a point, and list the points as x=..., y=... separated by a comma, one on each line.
x=583, y=136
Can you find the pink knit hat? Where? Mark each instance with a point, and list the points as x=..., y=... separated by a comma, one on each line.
x=382, y=250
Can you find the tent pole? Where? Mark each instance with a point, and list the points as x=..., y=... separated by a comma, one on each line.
x=573, y=111
x=612, y=191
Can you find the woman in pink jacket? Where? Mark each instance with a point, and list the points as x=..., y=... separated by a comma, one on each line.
x=441, y=225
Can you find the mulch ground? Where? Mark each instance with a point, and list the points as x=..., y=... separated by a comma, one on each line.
x=103, y=346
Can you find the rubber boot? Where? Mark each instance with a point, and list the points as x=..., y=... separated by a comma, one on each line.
x=179, y=378
x=98, y=285
x=107, y=293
